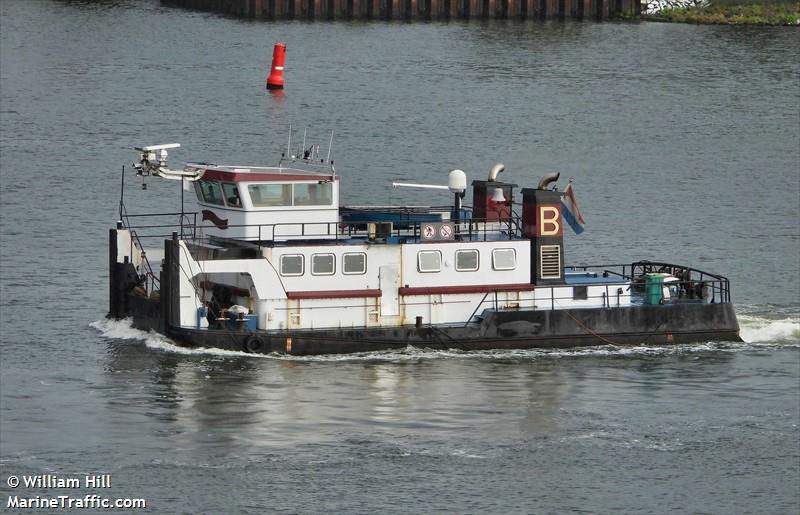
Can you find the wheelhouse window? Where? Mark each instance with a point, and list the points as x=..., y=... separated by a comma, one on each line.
x=209, y=191
x=269, y=195
x=467, y=260
x=292, y=264
x=354, y=263
x=322, y=264
x=231, y=193
x=429, y=261
x=504, y=259
x=315, y=194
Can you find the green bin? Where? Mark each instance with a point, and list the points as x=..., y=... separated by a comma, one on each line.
x=653, y=288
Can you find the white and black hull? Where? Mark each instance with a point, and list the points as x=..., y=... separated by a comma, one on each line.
x=521, y=329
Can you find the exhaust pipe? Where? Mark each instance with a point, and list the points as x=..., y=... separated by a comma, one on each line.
x=547, y=179
x=495, y=171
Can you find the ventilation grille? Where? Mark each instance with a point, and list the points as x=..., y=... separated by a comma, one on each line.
x=550, y=261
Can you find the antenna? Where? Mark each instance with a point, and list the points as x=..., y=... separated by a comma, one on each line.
x=330, y=146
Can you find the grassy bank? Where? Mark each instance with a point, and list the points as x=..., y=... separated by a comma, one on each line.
x=746, y=14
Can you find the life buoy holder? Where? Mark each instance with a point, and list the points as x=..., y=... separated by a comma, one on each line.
x=253, y=344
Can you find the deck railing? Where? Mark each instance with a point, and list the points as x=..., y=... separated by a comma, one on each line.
x=691, y=281
x=406, y=231
x=693, y=285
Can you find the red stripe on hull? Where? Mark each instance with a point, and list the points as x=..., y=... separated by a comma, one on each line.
x=473, y=288
x=333, y=294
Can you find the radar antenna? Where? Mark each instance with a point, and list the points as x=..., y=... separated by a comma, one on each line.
x=153, y=161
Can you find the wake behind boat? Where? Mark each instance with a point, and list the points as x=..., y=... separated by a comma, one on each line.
x=270, y=262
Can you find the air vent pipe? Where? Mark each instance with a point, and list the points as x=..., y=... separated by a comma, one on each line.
x=547, y=179
x=495, y=171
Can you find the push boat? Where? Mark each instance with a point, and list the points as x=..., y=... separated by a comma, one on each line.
x=270, y=263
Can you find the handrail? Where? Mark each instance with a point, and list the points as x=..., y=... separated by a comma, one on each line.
x=476, y=309
x=472, y=229
x=135, y=241
x=690, y=280
x=688, y=276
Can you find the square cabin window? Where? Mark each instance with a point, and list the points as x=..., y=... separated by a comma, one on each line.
x=322, y=264
x=268, y=195
x=429, y=260
x=354, y=263
x=209, y=191
x=467, y=260
x=231, y=193
x=292, y=264
x=504, y=259
x=314, y=194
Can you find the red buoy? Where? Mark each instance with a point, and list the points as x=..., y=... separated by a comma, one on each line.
x=275, y=78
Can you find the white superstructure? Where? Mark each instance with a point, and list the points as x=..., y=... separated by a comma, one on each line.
x=273, y=244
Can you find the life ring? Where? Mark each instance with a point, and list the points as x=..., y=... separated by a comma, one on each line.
x=253, y=344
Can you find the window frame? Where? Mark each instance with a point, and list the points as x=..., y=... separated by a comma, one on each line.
x=201, y=182
x=235, y=190
x=420, y=253
x=308, y=185
x=494, y=259
x=477, y=260
x=302, y=265
x=282, y=185
x=322, y=254
x=344, y=268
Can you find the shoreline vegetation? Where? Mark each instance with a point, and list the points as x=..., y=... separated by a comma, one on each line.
x=785, y=13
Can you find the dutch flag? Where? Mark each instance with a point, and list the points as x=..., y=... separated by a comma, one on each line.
x=572, y=214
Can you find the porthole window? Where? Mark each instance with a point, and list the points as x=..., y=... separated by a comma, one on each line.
x=292, y=264
x=354, y=263
x=504, y=259
x=322, y=264
x=429, y=260
x=467, y=260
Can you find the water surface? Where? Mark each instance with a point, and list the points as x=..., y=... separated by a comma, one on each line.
x=683, y=142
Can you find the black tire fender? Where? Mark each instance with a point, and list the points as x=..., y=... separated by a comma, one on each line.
x=253, y=344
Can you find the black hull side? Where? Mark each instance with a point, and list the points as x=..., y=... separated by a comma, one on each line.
x=634, y=325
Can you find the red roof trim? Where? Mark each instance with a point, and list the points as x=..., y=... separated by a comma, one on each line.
x=472, y=288
x=231, y=176
x=333, y=294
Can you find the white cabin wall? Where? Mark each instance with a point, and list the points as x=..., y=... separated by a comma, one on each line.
x=329, y=312
x=259, y=225
x=275, y=311
x=189, y=301
x=562, y=296
x=449, y=276
x=254, y=274
x=377, y=256
x=324, y=313
x=441, y=309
